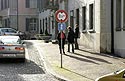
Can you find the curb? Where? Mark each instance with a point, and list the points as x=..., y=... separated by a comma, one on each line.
x=47, y=65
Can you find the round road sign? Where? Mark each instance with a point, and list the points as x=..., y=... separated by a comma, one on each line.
x=61, y=16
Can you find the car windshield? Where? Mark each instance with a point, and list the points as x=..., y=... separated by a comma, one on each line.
x=9, y=30
x=10, y=40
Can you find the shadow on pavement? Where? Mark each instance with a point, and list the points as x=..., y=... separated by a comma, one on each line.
x=81, y=59
x=94, y=58
x=101, y=54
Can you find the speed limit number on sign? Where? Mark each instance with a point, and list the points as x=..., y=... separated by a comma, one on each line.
x=61, y=16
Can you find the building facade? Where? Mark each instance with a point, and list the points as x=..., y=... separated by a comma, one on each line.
x=86, y=13
x=119, y=27
x=101, y=24
x=20, y=14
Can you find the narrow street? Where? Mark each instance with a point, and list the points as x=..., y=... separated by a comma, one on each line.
x=32, y=70
x=65, y=40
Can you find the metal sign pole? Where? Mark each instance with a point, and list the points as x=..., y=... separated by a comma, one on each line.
x=61, y=46
x=61, y=16
x=61, y=50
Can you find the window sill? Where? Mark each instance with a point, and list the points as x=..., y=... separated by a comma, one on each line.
x=118, y=29
x=84, y=31
x=123, y=29
x=91, y=31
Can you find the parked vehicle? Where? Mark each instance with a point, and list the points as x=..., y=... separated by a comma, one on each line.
x=12, y=47
x=116, y=76
x=11, y=31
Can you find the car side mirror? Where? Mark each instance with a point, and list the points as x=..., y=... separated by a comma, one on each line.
x=22, y=42
x=18, y=31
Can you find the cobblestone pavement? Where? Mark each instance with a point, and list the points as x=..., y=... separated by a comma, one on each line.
x=31, y=70
x=83, y=65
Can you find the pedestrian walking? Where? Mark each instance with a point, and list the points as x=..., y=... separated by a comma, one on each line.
x=76, y=36
x=61, y=37
x=70, y=39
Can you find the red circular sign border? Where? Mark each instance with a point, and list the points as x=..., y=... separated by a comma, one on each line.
x=58, y=11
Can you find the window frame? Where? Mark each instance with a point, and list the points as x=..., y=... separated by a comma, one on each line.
x=123, y=15
x=77, y=16
x=72, y=18
x=31, y=24
x=92, y=18
x=118, y=28
x=84, y=30
x=27, y=2
x=31, y=4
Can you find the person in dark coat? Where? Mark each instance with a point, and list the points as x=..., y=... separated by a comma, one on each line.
x=76, y=36
x=61, y=36
x=70, y=39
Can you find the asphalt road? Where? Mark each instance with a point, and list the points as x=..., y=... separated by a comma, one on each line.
x=32, y=70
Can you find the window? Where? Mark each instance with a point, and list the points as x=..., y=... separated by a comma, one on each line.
x=49, y=24
x=118, y=15
x=77, y=17
x=5, y=1
x=72, y=19
x=31, y=3
x=4, y=4
x=31, y=24
x=27, y=3
x=84, y=18
x=52, y=22
x=91, y=16
x=124, y=16
x=43, y=25
x=40, y=23
x=27, y=24
x=13, y=4
x=6, y=22
x=46, y=22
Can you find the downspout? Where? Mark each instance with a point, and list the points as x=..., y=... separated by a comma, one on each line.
x=112, y=26
x=17, y=15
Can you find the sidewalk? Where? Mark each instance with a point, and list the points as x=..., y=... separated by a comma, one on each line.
x=80, y=66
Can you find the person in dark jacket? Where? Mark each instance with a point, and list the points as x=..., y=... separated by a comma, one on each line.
x=70, y=39
x=76, y=36
x=61, y=37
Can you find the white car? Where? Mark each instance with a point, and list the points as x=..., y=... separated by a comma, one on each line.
x=11, y=31
x=12, y=47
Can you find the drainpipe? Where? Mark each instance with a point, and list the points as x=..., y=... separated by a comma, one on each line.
x=112, y=26
x=17, y=16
